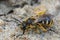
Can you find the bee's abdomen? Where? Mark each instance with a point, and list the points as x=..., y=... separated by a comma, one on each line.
x=45, y=21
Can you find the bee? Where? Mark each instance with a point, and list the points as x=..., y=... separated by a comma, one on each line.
x=43, y=23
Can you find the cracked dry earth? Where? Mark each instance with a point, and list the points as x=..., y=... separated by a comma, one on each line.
x=11, y=16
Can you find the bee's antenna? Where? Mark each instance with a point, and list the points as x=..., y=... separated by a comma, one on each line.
x=16, y=19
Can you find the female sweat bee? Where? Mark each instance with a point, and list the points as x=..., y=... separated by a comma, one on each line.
x=43, y=23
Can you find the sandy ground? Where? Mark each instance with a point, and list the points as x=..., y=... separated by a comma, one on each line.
x=13, y=12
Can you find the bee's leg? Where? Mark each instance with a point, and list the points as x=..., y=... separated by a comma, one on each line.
x=31, y=26
x=42, y=28
x=37, y=31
